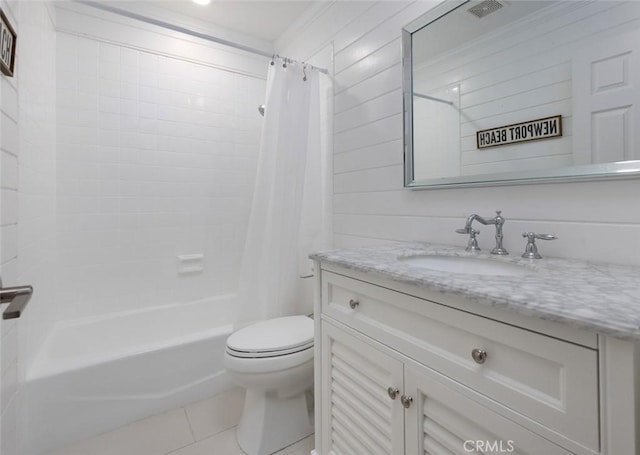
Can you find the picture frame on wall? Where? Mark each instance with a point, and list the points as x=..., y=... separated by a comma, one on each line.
x=8, y=38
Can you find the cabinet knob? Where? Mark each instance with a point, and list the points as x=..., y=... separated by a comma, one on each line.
x=353, y=304
x=393, y=392
x=406, y=401
x=479, y=355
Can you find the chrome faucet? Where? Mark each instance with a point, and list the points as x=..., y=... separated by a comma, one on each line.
x=473, y=244
x=531, y=250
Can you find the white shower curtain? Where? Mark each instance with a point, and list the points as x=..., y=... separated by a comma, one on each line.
x=287, y=213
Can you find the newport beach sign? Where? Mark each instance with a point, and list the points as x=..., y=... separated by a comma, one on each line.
x=532, y=130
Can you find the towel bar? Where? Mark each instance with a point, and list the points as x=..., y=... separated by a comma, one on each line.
x=17, y=297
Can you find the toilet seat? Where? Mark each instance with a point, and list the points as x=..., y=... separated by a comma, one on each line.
x=267, y=354
x=257, y=365
x=272, y=338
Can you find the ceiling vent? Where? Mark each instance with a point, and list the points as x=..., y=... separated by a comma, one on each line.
x=486, y=7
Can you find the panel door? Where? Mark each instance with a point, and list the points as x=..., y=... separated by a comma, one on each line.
x=443, y=421
x=358, y=414
x=606, y=100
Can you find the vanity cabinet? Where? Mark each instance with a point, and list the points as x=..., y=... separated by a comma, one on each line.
x=401, y=369
x=420, y=412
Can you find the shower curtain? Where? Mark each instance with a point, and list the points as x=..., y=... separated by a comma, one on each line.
x=287, y=214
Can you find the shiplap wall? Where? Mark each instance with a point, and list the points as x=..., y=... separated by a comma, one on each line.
x=593, y=220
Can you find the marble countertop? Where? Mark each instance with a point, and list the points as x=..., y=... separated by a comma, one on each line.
x=594, y=296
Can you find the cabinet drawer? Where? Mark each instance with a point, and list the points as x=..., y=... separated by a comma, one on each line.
x=550, y=381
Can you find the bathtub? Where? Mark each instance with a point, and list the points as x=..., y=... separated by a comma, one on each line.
x=97, y=374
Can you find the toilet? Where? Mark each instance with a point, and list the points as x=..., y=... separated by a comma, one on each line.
x=273, y=360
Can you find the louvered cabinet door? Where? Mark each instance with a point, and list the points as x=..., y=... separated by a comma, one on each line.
x=443, y=421
x=359, y=415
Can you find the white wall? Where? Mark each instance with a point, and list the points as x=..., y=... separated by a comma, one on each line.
x=157, y=144
x=9, y=330
x=594, y=220
x=27, y=146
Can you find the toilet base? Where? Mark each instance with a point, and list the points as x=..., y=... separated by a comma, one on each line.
x=270, y=423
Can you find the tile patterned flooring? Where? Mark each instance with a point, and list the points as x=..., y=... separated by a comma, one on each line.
x=195, y=429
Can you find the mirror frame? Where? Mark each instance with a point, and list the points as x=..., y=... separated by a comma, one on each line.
x=601, y=171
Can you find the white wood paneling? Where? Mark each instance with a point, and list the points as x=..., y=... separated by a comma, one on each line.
x=383, y=82
x=375, y=109
x=381, y=59
x=376, y=179
x=380, y=33
x=374, y=16
x=386, y=129
x=379, y=155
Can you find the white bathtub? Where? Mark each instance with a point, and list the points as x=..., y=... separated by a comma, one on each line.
x=97, y=374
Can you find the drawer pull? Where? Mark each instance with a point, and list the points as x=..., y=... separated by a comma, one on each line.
x=479, y=355
x=353, y=304
x=393, y=392
x=406, y=401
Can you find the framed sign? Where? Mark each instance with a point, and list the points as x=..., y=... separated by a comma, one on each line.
x=532, y=130
x=8, y=39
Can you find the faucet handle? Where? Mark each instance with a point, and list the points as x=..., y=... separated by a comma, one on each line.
x=531, y=250
x=533, y=235
x=465, y=231
x=472, y=245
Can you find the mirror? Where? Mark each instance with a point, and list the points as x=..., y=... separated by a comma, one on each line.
x=520, y=91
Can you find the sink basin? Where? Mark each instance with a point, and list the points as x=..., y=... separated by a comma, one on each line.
x=465, y=264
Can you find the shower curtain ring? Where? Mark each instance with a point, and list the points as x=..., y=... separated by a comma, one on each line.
x=273, y=57
x=304, y=73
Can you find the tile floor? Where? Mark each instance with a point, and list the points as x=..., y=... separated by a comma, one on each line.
x=196, y=429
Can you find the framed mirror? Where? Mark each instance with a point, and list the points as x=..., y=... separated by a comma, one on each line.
x=520, y=91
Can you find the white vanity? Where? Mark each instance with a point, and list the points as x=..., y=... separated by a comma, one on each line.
x=420, y=361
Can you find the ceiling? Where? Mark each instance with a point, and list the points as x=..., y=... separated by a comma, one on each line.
x=265, y=20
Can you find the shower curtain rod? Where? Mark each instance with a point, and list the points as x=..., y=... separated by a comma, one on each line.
x=177, y=28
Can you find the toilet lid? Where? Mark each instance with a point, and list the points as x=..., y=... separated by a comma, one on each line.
x=273, y=337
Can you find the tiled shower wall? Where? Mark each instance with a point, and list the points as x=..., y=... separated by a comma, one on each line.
x=156, y=159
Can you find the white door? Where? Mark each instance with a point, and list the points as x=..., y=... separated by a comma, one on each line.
x=606, y=77
x=359, y=414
